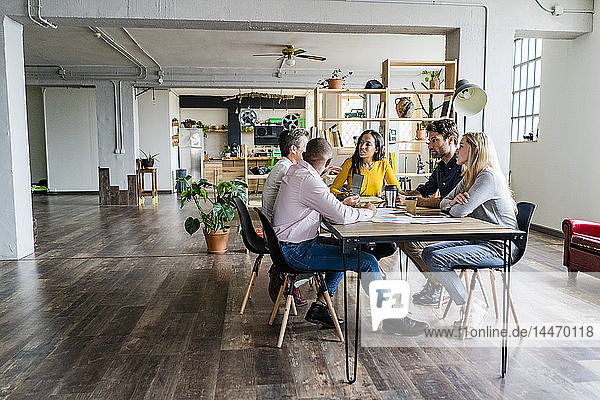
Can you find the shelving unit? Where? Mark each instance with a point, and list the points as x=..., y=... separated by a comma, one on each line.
x=386, y=97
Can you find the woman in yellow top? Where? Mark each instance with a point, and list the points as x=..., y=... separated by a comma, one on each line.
x=368, y=160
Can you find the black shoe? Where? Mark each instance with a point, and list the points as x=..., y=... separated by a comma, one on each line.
x=426, y=289
x=319, y=314
x=404, y=327
x=429, y=299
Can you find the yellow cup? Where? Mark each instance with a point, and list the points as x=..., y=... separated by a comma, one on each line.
x=411, y=206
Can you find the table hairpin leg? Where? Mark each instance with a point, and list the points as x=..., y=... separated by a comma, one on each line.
x=349, y=378
x=505, y=302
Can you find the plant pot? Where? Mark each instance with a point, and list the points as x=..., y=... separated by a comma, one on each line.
x=335, y=83
x=434, y=84
x=421, y=134
x=216, y=242
x=146, y=163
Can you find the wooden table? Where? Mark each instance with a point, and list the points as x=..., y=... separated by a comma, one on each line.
x=352, y=236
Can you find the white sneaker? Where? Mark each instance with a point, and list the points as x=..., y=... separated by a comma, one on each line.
x=478, y=314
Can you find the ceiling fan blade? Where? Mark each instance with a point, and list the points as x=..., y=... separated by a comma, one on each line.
x=267, y=55
x=317, y=58
x=299, y=51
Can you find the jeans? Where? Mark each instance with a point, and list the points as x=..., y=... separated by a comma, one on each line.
x=441, y=257
x=325, y=254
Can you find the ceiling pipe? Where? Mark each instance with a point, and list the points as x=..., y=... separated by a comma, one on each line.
x=99, y=33
x=38, y=19
x=558, y=10
x=160, y=72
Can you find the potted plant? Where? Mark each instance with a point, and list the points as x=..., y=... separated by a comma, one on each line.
x=336, y=81
x=226, y=151
x=204, y=128
x=189, y=123
x=148, y=160
x=422, y=130
x=433, y=77
x=221, y=209
x=428, y=113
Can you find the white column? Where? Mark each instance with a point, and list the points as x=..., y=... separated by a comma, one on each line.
x=16, y=232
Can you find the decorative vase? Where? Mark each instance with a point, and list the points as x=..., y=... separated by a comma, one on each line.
x=421, y=134
x=216, y=242
x=404, y=107
x=335, y=83
x=434, y=83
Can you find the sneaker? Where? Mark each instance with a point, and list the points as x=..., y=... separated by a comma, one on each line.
x=298, y=299
x=432, y=298
x=275, y=283
x=424, y=290
x=477, y=316
x=319, y=314
x=404, y=327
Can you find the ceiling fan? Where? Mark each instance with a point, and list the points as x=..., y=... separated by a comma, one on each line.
x=289, y=52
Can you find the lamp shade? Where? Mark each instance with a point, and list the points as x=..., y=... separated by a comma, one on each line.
x=468, y=98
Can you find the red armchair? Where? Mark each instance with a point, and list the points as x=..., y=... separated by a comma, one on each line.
x=581, y=247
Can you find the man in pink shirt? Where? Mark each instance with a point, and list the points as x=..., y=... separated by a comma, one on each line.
x=303, y=200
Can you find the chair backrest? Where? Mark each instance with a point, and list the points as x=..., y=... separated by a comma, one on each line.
x=277, y=256
x=253, y=242
x=524, y=214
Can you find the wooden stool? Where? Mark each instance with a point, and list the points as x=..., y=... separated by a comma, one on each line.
x=140, y=179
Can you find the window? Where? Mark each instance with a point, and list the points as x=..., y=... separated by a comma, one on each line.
x=527, y=68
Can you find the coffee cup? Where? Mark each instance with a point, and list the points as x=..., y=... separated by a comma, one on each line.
x=411, y=205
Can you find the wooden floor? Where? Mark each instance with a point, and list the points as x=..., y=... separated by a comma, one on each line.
x=120, y=303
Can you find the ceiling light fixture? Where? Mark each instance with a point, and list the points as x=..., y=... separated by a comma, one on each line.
x=290, y=62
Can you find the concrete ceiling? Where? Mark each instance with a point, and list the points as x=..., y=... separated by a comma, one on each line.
x=77, y=46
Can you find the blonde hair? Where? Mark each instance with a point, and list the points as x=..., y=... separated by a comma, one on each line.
x=482, y=154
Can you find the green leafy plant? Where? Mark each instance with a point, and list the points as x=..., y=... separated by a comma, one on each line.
x=222, y=208
x=429, y=75
x=149, y=156
x=226, y=149
x=38, y=188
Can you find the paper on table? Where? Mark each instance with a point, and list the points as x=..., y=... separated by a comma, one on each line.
x=370, y=199
x=390, y=215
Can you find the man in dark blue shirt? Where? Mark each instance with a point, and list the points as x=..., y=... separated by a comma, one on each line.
x=443, y=140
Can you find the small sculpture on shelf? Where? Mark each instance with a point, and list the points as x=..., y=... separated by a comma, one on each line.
x=420, y=165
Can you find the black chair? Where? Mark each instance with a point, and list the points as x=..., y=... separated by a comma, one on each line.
x=253, y=243
x=291, y=275
x=524, y=214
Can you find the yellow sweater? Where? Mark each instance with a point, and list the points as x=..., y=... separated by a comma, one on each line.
x=373, y=181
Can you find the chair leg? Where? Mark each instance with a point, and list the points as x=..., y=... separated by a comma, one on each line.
x=447, y=310
x=252, y=282
x=487, y=303
x=248, y=291
x=468, y=308
x=294, y=310
x=257, y=264
x=323, y=288
x=514, y=311
x=286, y=312
x=278, y=300
x=494, y=292
x=511, y=304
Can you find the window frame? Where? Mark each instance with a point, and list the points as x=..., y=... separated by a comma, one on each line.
x=525, y=114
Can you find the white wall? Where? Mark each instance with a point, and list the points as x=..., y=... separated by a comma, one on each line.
x=155, y=133
x=36, y=132
x=71, y=139
x=559, y=172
